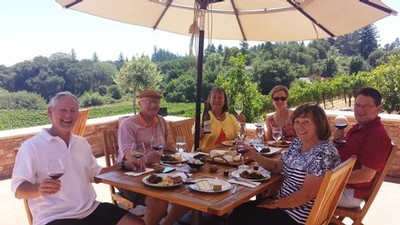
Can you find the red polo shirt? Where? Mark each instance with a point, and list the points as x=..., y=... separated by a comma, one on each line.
x=371, y=144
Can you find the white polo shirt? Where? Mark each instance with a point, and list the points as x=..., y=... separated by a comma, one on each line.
x=77, y=197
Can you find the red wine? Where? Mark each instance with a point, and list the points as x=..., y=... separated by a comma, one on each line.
x=137, y=155
x=158, y=147
x=341, y=126
x=241, y=150
x=54, y=176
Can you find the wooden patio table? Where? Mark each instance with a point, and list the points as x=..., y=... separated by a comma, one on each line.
x=213, y=203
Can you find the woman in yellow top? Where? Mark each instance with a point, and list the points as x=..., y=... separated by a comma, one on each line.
x=224, y=126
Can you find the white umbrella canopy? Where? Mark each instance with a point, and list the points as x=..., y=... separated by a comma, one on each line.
x=256, y=20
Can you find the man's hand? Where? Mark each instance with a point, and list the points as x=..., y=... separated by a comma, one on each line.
x=49, y=187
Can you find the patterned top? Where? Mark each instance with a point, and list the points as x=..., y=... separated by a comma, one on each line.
x=297, y=164
x=288, y=133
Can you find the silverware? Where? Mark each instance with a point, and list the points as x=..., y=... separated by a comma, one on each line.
x=234, y=189
x=248, y=182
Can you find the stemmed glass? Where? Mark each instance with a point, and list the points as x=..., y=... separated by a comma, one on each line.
x=240, y=149
x=341, y=123
x=238, y=107
x=242, y=132
x=157, y=143
x=180, y=146
x=138, y=150
x=277, y=134
x=55, y=170
x=259, y=143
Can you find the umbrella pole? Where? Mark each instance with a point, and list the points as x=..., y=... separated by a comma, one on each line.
x=202, y=13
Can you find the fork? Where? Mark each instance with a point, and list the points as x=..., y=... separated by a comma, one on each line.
x=234, y=189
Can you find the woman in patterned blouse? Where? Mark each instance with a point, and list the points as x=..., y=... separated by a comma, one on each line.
x=304, y=165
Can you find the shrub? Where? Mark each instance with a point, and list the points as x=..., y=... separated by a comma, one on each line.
x=21, y=100
x=91, y=99
x=102, y=90
x=114, y=92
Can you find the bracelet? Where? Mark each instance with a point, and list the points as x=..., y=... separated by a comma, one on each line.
x=276, y=203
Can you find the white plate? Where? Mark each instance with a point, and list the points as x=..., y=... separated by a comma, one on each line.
x=144, y=180
x=265, y=173
x=273, y=150
x=225, y=185
x=174, y=162
x=285, y=145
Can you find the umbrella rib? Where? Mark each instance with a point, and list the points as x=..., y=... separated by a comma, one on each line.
x=235, y=10
x=163, y=13
x=384, y=9
x=310, y=18
x=72, y=3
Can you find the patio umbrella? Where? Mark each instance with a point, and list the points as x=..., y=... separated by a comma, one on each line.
x=256, y=20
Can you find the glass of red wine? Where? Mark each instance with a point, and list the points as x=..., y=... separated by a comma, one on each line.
x=138, y=150
x=55, y=169
x=157, y=143
x=241, y=150
x=341, y=123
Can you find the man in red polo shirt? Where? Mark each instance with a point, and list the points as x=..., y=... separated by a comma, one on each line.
x=369, y=141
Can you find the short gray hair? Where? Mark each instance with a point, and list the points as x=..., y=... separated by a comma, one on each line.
x=62, y=94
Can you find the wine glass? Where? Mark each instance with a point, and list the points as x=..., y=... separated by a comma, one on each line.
x=238, y=107
x=138, y=150
x=157, y=143
x=55, y=168
x=341, y=123
x=240, y=149
x=277, y=134
x=180, y=146
x=241, y=132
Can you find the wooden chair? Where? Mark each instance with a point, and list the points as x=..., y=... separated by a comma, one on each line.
x=329, y=193
x=183, y=128
x=358, y=214
x=110, y=143
x=79, y=127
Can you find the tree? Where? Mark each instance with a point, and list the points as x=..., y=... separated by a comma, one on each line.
x=368, y=40
x=137, y=75
x=356, y=65
x=330, y=67
x=95, y=58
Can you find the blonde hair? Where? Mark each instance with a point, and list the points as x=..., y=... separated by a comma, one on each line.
x=279, y=88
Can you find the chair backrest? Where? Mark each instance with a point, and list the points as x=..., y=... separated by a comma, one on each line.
x=79, y=127
x=110, y=143
x=183, y=128
x=329, y=193
x=358, y=214
x=28, y=211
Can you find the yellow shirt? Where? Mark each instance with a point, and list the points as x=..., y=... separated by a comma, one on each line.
x=229, y=125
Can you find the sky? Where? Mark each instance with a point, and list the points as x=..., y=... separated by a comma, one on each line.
x=29, y=28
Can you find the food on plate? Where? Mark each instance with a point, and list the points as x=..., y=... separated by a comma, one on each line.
x=217, y=186
x=204, y=185
x=222, y=155
x=253, y=175
x=170, y=158
x=265, y=150
x=195, y=163
x=164, y=181
x=213, y=169
x=229, y=143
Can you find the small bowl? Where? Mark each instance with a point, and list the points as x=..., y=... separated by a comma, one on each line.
x=195, y=163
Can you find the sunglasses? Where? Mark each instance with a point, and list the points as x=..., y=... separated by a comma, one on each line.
x=279, y=98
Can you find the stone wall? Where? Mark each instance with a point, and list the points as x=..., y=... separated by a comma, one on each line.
x=12, y=139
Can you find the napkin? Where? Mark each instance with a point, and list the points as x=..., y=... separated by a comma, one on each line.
x=251, y=184
x=135, y=174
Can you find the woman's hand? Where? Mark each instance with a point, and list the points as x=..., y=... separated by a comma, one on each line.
x=241, y=118
x=338, y=135
x=268, y=203
x=134, y=165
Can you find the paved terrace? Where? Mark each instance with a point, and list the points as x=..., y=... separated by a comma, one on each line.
x=384, y=210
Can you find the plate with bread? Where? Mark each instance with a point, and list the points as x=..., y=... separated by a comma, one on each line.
x=210, y=185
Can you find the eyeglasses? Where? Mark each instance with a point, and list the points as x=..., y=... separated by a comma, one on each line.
x=279, y=98
x=359, y=106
